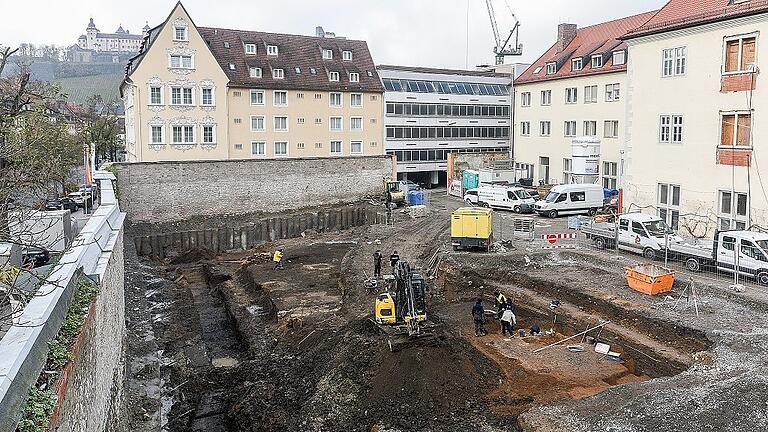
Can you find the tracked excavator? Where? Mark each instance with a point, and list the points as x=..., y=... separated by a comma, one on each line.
x=401, y=309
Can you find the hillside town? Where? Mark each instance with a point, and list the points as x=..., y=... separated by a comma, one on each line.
x=206, y=226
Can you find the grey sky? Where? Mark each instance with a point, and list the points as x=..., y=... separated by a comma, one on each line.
x=405, y=32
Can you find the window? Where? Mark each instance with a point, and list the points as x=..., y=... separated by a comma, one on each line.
x=250, y=48
x=570, y=128
x=356, y=123
x=611, y=92
x=155, y=95
x=611, y=129
x=257, y=123
x=545, y=128
x=183, y=134
x=567, y=167
x=318, y=121
x=669, y=204
x=590, y=128
x=590, y=94
x=271, y=49
x=551, y=68
x=333, y=76
x=237, y=120
x=299, y=95
x=335, y=123
x=546, y=97
x=209, y=134
x=255, y=72
x=181, y=61
x=577, y=64
x=281, y=148
x=258, y=148
x=597, y=61
x=356, y=100
x=281, y=124
x=156, y=135
x=610, y=174
x=578, y=196
x=181, y=96
x=180, y=33
x=671, y=129
x=732, y=210
x=257, y=97
x=571, y=95
x=280, y=98
x=206, y=96
x=236, y=93
x=238, y=146
x=354, y=77
x=673, y=62
x=335, y=99
x=525, y=99
x=278, y=73
x=318, y=145
x=231, y=66
x=346, y=55
x=327, y=54
x=740, y=54
x=619, y=57
x=335, y=147
x=736, y=129
x=525, y=128
x=356, y=147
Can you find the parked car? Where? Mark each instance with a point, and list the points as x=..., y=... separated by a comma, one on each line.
x=571, y=199
x=34, y=256
x=470, y=197
x=81, y=198
x=64, y=203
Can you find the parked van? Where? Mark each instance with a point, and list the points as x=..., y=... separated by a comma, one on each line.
x=516, y=199
x=470, y=197
x=571, y=199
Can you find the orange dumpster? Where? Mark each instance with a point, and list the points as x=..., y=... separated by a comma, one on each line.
x=650, y=279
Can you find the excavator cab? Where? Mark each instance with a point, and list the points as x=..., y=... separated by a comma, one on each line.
x=393, y=190
x=385, y=309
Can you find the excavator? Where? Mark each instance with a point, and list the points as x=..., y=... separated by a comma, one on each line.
x=401, y=309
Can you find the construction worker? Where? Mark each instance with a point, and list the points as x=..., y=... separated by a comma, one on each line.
x=501, y=303
x=377, y=264
x=393, y=259
x=508, y=320
x=278, y=258
x=478, y=316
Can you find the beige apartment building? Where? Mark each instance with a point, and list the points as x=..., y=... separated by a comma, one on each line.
x=696, y=103
x=197, y=93
x=575, y=89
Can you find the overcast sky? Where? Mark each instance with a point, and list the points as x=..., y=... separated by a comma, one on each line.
x=404, y=32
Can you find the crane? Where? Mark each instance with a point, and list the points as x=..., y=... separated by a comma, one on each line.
x=504, y=48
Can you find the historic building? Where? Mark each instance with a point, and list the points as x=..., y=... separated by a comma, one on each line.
x=94, y=46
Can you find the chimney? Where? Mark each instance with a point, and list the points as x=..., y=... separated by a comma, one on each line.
x=565, y=34
x=319, y=32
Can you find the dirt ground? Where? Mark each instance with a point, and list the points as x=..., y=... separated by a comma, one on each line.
x=228, y=343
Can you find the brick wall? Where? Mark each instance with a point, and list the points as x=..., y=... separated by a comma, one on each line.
x=738, y=82
x=158, y=192
x=740, y=158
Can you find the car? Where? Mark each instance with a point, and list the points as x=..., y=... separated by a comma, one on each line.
x=33, y=256
x=81, y=198
x=471, y=197
x=64, y=203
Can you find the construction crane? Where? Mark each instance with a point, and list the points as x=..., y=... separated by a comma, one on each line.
x=503, y=47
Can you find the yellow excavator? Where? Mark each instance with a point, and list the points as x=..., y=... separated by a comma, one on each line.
x=401, y=309
x=393, y=192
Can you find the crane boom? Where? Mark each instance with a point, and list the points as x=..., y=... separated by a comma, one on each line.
x=504, y=48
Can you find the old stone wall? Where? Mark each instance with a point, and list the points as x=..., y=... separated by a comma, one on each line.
x=163, y=192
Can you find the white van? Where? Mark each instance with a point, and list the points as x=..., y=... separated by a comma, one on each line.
x=516, y=199
x=571, y=199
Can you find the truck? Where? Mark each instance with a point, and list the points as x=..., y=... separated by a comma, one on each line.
x=634, y=232
x=491, y=176
x=472, y=227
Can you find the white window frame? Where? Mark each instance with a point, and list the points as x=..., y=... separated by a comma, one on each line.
x=255, y=92
x=542, y=131
x=546, y=97
x=181, y=61
x=274, y=98
x=590, y=94
x=346, y=55
x=250, y=49
x=202, y=134
x=213, y=96
x=614, y=124
x=351, y=98
x=352, y=147
x=182, y=88
x=327, y=53
x=577, y=64
x=351, y=124
x=185, y=36
x=254, y=72
x=333, y=76
x=612, y=92
x=278, y=73
x=525, y=128
x=340, y=98
x=183, y=134
x=736, y=115
x=341, y=124
x=272, y=50
x=589, y=124
x=551, y=68
x=567, y=170
x=668, y=208
x=525, y=99
x=263, y=123
x=735, y=220
x=571, y=95
x=668, y=124
x=340, y=152
x=263, y=149
x=274, y=123
x=162, y=95
x=674, y=62
x=152, y=135
x=567, y=128
x=610, y=174
x=280, y=155
x=354, y=77
x=622, y=54
x=596, y=61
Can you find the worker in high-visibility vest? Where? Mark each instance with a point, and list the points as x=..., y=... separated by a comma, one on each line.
x=278, y=258
x=501, y=302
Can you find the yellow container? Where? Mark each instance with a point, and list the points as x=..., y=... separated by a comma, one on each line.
x=472, y=227
x=650, y=279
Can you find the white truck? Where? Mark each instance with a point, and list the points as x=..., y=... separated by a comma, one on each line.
x=635, y=232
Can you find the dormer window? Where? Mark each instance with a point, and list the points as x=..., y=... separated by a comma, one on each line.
x=370, y=74
x=255, y=72
x=250, y=48
x=597, y=61
x=231, y=66
x=278, y=73
x=619, y=57
x=327, y=54
x=577, y=64
x=346, y=55
x=298, y=70
x=180, y=33
x=551, y=68
x=271, y=49
x=354, y=77
x=333, y=76
x=313, y=71
x=226, y=45
x=537, y=70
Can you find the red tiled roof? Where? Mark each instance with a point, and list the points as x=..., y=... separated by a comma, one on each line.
x=678, y=14
x=294, y=51
x=601, y=38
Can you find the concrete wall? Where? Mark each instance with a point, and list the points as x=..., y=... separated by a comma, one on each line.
x=158, y=192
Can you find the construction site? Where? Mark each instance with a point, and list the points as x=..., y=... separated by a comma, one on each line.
x=230, y=341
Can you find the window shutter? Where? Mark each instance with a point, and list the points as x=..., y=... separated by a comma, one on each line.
x=727, y=136
x=747, y=53
x=732, y=56
x=744, y=126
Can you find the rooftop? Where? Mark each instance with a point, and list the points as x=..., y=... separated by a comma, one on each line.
x=677, y=14
x=440, y=71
